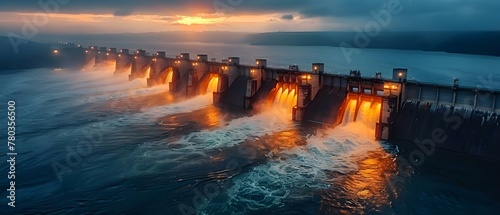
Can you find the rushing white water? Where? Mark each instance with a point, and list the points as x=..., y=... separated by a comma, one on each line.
x=168, y=80
x=133, y=170
x=235, y=131
x=285, y=99
x=212, y=85
x=368, y=114
x=291, y=172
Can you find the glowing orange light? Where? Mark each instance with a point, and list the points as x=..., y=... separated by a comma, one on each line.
x=107, y=54
x=394, y=87
x=119, y=55
x=257, y=62
x=284, y=100
x=56, y=51
x=315, y=68
x=190, y=20
x=169, y=79
x=135, y=57
x=386, y=86
x=212, y=85
x=400, y=74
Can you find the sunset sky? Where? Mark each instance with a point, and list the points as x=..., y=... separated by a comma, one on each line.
x=106, y=16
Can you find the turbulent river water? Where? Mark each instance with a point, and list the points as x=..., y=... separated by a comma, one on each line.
x=92, y=142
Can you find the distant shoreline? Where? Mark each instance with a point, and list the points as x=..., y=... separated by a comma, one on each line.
x=485, y=43
x=445, y=52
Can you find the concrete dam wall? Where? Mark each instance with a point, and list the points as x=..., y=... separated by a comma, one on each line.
x=326, y=106
x=455, y=118
x=459, y=129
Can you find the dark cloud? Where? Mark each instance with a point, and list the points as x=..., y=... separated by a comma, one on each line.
x=417, y=15
x=123, y=12
x=287, y=17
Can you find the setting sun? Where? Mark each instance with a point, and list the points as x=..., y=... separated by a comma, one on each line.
x=196, y=20
x=250, y=107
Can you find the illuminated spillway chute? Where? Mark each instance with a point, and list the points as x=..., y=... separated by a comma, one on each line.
x=369, y=113
x=278, y=96
x=350, y=111
x=366, y=118
x=212, y=85
x=148, y=71
x=146, y=76
x=284, y=101
x=291, y=98
x=106, y=66
x=168, y=80
x=283, y=97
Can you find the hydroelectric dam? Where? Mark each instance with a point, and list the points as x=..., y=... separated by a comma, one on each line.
x=450, y=117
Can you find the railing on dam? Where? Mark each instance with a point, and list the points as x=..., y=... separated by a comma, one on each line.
x=473, y=98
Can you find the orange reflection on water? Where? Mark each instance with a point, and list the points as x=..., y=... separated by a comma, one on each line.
x=283, y=140
x=363, y=191
x=205, y=118
x=213, y=117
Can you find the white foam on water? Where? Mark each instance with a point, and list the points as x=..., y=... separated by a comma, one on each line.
x=35, y=119
x=108, y=86
x=296, y=172
x=151, y=156
x=99, y=84
x=235, y=132
x=143, y=159
x=151, y=114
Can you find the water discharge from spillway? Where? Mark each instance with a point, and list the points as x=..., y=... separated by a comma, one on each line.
x=168, y=80
x=348, y=149
x=284, y=101
x=212, y=85
x=363, y=117
x=144, y=79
